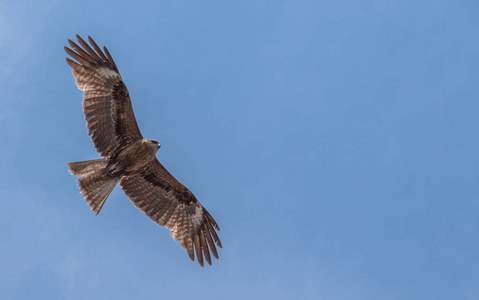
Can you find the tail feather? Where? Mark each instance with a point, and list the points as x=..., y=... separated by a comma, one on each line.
x=80, y=168
x=95, y=183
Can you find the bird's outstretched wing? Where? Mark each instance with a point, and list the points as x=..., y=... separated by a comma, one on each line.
x=106, y=101
x=169, y=203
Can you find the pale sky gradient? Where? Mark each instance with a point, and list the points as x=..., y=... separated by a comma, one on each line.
x=334, y=142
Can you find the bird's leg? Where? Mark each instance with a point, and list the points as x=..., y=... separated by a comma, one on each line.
x=112, y=167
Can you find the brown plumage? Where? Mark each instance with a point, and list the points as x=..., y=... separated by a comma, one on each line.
x=130, y=159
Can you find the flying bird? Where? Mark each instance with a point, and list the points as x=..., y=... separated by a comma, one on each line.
x=130, y=159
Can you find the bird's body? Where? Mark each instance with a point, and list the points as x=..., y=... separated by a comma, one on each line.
x=130, y=159
x=135, y=157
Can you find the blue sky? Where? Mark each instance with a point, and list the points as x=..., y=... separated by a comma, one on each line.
x=334, y=142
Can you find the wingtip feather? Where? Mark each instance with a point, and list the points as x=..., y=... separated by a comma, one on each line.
x=204, y=247
x=199, y=255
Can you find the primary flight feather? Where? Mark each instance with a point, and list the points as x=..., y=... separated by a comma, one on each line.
x=130, y=159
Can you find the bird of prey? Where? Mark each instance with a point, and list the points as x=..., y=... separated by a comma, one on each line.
x=130, y=159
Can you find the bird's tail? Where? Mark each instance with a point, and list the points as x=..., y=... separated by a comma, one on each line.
x=95, y=182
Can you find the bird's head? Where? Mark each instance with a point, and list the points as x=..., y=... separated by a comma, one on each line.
x=155, y=143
